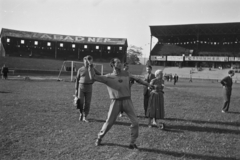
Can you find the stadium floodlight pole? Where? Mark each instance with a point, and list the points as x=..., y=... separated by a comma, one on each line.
x=72, y=71
x=150, y=50
x=78, y=52
x=101, y=69
x=55, y=49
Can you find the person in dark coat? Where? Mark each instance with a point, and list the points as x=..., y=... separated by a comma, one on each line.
x=227, y=90
x=4, y=71
x=146, y=92
x=175, y=79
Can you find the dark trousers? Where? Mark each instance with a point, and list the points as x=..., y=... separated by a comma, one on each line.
x=145, y=103
x=226, y=98
x=85, y=102
x=4, y=75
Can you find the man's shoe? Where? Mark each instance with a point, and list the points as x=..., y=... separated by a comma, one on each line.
x=154, y=124
x=85, y=120
x=162, y=127
x=98, y=142
x=80, y=117
x=224, y=111
x=133, y=146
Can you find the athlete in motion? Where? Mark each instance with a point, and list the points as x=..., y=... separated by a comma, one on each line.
x=119, y=91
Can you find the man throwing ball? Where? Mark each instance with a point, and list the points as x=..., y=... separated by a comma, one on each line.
x=119, y=91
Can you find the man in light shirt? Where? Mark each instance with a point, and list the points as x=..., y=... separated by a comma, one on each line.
x=83, y=89
x=119, y=92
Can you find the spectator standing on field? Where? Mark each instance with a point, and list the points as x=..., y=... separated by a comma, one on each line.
x=146, y=92
x=4, y=71
x=156, y=101
x=227, y=90
x=170, y=77
x=83, y=89
x=119, y=92
x=175, y=79
x=190, y=78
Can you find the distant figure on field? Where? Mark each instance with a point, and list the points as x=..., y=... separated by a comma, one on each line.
x=227, y=90
x=146, y=92
x=175, y=79
x=156, y=101
x=170, y=77
x=190, y=78
x=4, y=71
x=83, y=89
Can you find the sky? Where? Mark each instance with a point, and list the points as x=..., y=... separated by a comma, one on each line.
x=113, y=18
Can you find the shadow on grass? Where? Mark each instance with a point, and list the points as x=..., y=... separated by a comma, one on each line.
x=231, y=112
x=175, y=154
x=181, y=128
x=118, y=123
x=141, y=125
x=204, y=129
x=236, y=124
x=4, y=92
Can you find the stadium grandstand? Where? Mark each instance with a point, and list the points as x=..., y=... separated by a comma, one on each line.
x=33, y=53
x=15, y=43
x=214, y=45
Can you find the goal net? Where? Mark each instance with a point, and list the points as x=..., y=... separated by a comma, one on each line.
x=68, y=71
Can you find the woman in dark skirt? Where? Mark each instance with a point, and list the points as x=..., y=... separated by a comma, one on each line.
x=156, y=100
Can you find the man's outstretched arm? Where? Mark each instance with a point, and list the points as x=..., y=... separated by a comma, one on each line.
x=94, y=76
x=140, y=81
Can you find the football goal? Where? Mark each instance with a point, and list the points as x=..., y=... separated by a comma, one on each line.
x=69, y=69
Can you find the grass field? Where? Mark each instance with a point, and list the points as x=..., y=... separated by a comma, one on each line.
x=38, y=121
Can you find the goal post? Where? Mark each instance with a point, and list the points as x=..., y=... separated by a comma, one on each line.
x=69, y=69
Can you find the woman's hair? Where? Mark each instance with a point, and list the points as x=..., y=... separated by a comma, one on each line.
x=158, y=72
x=230, y=72
x=148, y=66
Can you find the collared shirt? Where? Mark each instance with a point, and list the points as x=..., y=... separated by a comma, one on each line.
x=83, y=82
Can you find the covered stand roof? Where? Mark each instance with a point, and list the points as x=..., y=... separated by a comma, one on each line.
x=203, y=39
x=228, y=30
x=63, y=38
